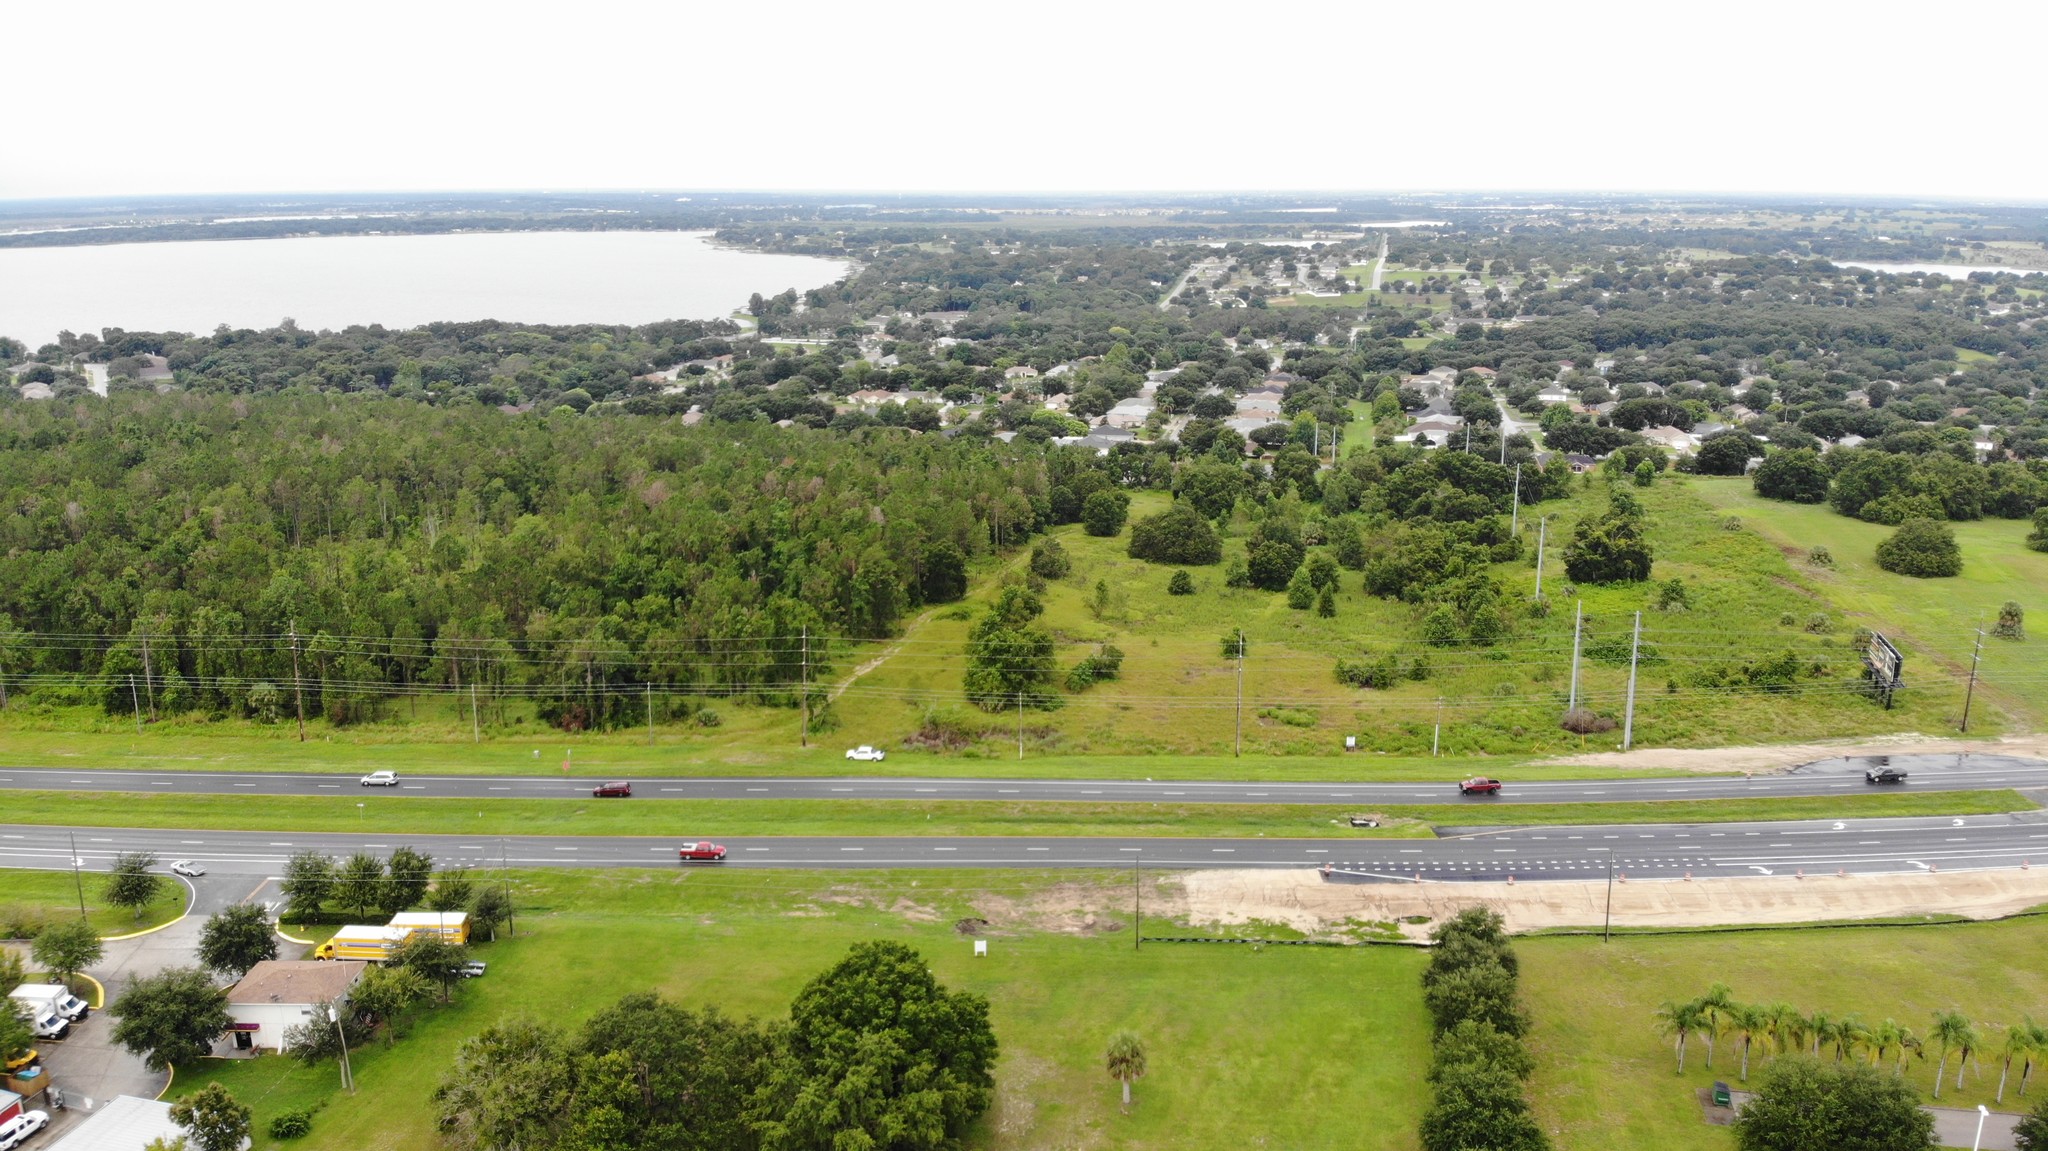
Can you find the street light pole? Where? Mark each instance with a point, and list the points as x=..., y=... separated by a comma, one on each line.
x=1983, y=1113
x=77, y=880
x=348, y=1078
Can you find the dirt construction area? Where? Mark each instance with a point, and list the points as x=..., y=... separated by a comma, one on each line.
x=1785, y=756
x=1306, y=902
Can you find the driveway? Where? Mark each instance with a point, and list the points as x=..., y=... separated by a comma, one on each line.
x=89, y=1066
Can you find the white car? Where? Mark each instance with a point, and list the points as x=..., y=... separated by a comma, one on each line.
x=187, y=868
x=865, y=754
x=14, y=1132
x=381, y=779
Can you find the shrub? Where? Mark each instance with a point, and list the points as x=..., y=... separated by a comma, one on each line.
x=1583, y=721
x=2038, y=538
x=1821, y=557
x=1797, y=475
x=2012, y=621
x=708, y=718
x=1049, y=560
x=1923, y=549
x=291, y=1124
x=1178, y=535
x=1180, y=584
x=1103, y=513
x=1379, y=674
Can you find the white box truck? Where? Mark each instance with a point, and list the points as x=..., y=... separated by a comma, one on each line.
x=55, y=996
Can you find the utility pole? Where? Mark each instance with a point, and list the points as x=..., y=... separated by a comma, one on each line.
x=1237, y=748
x=135, y=699
x=476, y=725
x=1628, y=718
x=148, y=678
x=1436, y=737
x=1970, y=692
x=1137, y=909
x=1515, y=512
x=803, y=738
x=650, y=712
x=76, y=880
x=505, y=884
x=1607, y=925
x=1542, y=536
x=1578, y=620
x=1020, y=725
x=298, y=685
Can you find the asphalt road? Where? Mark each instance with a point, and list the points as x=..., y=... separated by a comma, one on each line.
x=1837, y=776
x=1862, y=846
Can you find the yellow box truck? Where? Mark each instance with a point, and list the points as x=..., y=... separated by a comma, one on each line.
x=359, y=941
x=452, y=926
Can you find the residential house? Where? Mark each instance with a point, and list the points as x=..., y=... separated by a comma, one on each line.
x=278, y=994
x=1554, y=394
x=1020, y=372
x=1129, y=414
x=1260, y=404
x=1438, y=429
x=1671, y=439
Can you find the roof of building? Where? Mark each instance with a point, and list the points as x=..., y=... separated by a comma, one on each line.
x=296, y=981
x=123, y=1123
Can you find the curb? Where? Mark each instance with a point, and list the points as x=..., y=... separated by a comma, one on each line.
x=99, y=991
x=191, y=897
x=170, y=1077
x=279, y=932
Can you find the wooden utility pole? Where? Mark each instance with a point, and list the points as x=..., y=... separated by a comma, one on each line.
x=1515, y=510
x=148, y=678
x=1020, y=725
x=1578, y=619
x=137, y=701
x=804, y=734
x=1237, y=748
x=1970, y=692
x=298, y=685
x=476, y=727
x=1137, y=909
x=1542, y=536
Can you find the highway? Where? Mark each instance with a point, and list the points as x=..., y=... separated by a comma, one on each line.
x=1860, y=846
x=1836, y=776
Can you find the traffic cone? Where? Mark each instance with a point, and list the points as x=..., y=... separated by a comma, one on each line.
x=1623, y=877
x=1688, y=877
x=1799, y=874
x=1934, y=867
x=1841, y=873
x=1511, y=879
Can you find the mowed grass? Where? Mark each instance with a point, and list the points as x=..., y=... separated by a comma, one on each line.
x=1282, y=1047
x=1605, y=1078
x=1933, y=621
x=52, y=896
x=824, y=817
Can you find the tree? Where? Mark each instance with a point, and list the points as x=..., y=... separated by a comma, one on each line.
x=512, y=1086
x=1474, y=1042
x=1796, y=475
x=493, y=906
x=2019, y=1042
x=1805, y=1104
x=1483, y=992
x=1273, y=553
x=308, y=881
x=16, y=1036
x=945, y=573
x=1645, y=474
x=410, y=872
x=384, y=992
x=1103, y=513
x=66, y=948
x=236, y=939
x=1178, y=535
x=359, y=884
x=1125, y=1061
x=1922, y=548
x=1681, y=1020
x=1748, y=1021
x=2038, y=538
x=1952, y=1030
x=436, y=958
x=2012, y=621
x=1715, y=1007
x=1010, y=658
x=1480, y=1105
x=2031, y=1132
x=131, y=883
x=216, y=1120
x=1726, y=454
x=1610, y=547
x=170, y=1017
x=879, y=1054
x=1049, y=560
x=687, y=1076
x=453, y=891
x=1181, y=584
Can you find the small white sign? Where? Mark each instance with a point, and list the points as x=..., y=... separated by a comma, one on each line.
x=980, y=948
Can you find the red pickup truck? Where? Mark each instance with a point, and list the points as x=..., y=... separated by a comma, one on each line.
x=1479, y=785
x=706, y=849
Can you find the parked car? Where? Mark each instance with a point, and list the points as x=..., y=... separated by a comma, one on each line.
x=703, y=850
x=1884, y=775
x=381, y=779
x=14, y=1132
x=865, y=754
x=473, y=969
x=1479, y=785
x=619, y=788
x=187, y=868
x=25, y=1059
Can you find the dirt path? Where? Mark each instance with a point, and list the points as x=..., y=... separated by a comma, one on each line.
x=1780, y=757
x=1303, y=900
x=839, y=689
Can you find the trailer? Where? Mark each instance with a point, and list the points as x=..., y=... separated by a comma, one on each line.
x=452, y=926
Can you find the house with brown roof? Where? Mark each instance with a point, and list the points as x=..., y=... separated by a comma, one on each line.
x=277, y=994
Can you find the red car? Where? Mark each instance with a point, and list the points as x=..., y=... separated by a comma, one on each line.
x=622, y=789
x=1479, y=785
x=706, y=850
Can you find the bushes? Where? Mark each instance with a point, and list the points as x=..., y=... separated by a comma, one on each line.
x=1797, y=475
x=1103, y=513
x=1611, y=547
x=1106, y=663
x=1181, y=584
x=1478, y=1061
x=1921, y=548
x=1178, y=535
x=291, y=1124
x=1049, y=560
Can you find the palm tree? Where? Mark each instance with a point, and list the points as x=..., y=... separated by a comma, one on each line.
x=1909, y=1044
x=1681, y=1020
x=1714, y=1009
x=2019, y=1041
x=1820, y=1028
x=1882, y=1038
x=1749, y=1021
x=2037, y=1044
x=1785, y=1026
x=1952, y=1030
x=1125, y=1061
x=1850, y=1034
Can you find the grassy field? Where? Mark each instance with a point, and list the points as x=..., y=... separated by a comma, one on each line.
x=1932, y=621
x=1230, y=1067
x=1605, y=1078
x=1174, y=712
x=825, y=817
x=49, y=896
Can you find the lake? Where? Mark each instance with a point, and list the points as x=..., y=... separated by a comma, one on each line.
x=397, y=281
x=1952, y=271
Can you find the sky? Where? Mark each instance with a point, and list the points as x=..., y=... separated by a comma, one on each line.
x=107, y=98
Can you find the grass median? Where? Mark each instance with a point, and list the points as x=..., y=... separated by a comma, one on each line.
x=1230, y=1063
x=394, y=815
x=30, y=900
